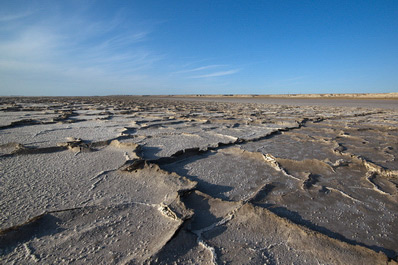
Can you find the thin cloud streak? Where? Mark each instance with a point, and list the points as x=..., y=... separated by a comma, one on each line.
x=8, y=18
x=216, y=74
x=200, y=68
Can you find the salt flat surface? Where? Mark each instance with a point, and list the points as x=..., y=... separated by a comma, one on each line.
x=365, y=103
x=143, y=180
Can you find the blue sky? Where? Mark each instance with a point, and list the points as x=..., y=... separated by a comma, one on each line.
x=198, y=47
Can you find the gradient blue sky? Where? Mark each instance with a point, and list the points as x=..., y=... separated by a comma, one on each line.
x=198, y=47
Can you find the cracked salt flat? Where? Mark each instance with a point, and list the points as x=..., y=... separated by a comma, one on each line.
x=238, y=183
x=230, y=174
x=255, y=236
x=50, y=135
x=42, y=116
x=31, y=184
x=165, y=144
x=72, y=236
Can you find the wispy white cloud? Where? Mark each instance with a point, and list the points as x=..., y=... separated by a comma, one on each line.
x=77, y=50
x=121, y=40
x=30, y=44
x=11, y=17
x=72, y=49
x=200, y=68
x=216, y=74
x=206, y=71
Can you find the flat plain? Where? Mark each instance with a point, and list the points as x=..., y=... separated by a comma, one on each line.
x=167, y=180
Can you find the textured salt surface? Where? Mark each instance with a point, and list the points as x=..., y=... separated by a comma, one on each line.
x=133, y=180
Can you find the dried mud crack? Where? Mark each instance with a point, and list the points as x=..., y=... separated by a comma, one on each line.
x=140, y=180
